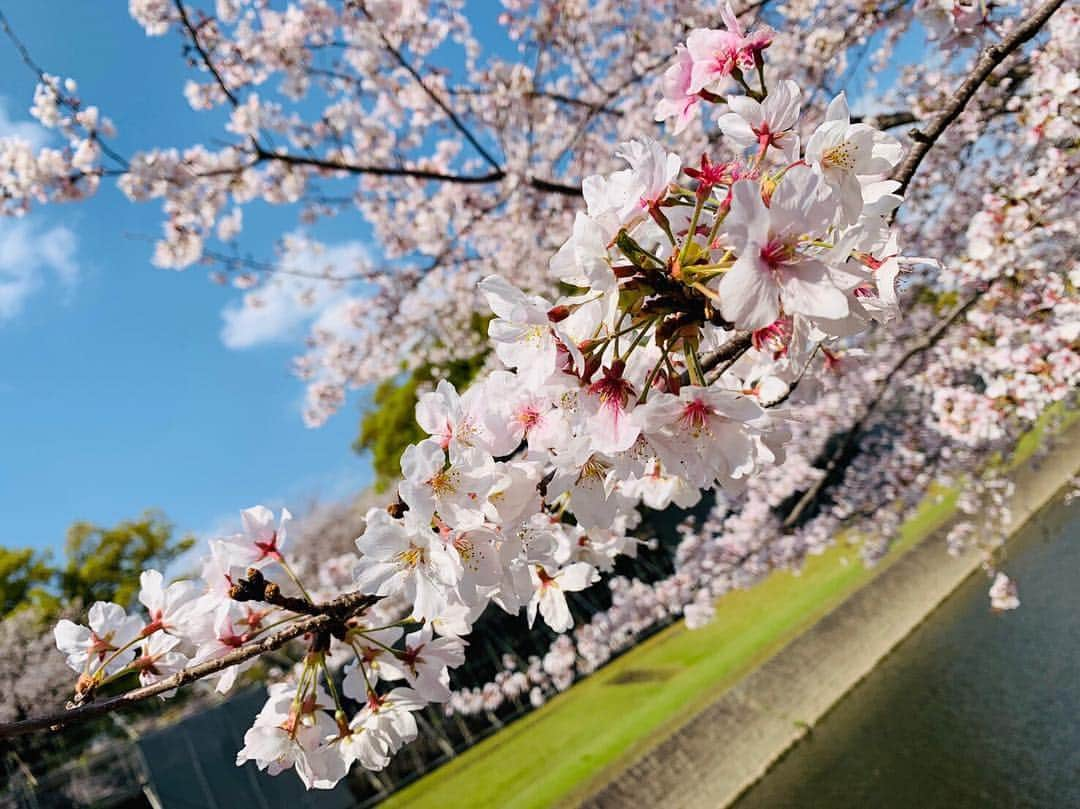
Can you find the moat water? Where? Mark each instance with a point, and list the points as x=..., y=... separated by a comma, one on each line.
x=975, y=710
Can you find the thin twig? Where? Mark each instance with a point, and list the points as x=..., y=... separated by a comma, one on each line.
x=795, y=383
x=193, y=35
x=450, y=114
x=494, y=176
x=28, y=60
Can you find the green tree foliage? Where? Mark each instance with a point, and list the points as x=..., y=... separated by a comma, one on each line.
x=103, y=564
x=390, y=424
x=100, y=564
x=22, y=573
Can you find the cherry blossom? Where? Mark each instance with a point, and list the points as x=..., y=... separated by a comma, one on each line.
x=777, y=264
x=765, y=124
x=168, y=607
x=845, y=153
x=105, y=644
x=550, y=595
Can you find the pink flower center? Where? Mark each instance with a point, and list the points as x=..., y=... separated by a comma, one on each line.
x=231, y=639
x=101, y=646
x=613, y=391
x=695, y=416
x=773, y=337
x=411, y=656
x=777, y=253
x=528, y=417
x=268, y=548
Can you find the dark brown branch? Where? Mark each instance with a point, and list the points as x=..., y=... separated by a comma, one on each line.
x=924, y=141
x=846, y=448
x=988, y=60
x=332, y=613
x=420, y=174
x=256, y=587
x=193, y=35
x=560, y=98
x=887, y=120
x=378, y=171
x=724, y=356
x=553, y=187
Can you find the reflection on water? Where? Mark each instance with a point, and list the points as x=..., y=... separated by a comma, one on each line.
x=974, y=710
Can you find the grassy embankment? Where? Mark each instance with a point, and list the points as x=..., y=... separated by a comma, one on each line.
x=581, y=737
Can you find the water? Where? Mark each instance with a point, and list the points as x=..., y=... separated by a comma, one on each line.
x=974, y=710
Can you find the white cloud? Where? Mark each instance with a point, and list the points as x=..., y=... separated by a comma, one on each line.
x=284, y=306
x=30, y=131
x=27, y=254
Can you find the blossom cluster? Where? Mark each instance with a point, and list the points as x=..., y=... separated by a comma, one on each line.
x=31, y=174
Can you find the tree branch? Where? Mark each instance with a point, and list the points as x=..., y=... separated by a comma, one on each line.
x=845, y=449
x=887, y=120
x=924, y=141
x=494, y=176
x=990, y=59
x=332, y=612
x=450, y=114
x=72, y=104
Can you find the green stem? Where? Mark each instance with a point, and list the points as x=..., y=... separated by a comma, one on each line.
x=116, y=675
x=363, y=669
x=715, y=229
x=105, y=663
x=331, y=686
x=637, y=340
x=274, y=625
x=618, y=332
x=370, y=639
x=652, y=375
x=692, y=230
x=754, y=94
x=296, y=580
x=693, y=365
x=301, y=687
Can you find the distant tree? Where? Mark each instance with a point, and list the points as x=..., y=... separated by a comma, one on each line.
x=22, y=572
x=99, y=564
x=103, y=564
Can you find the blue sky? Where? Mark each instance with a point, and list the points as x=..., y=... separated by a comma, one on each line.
x=116, y=390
